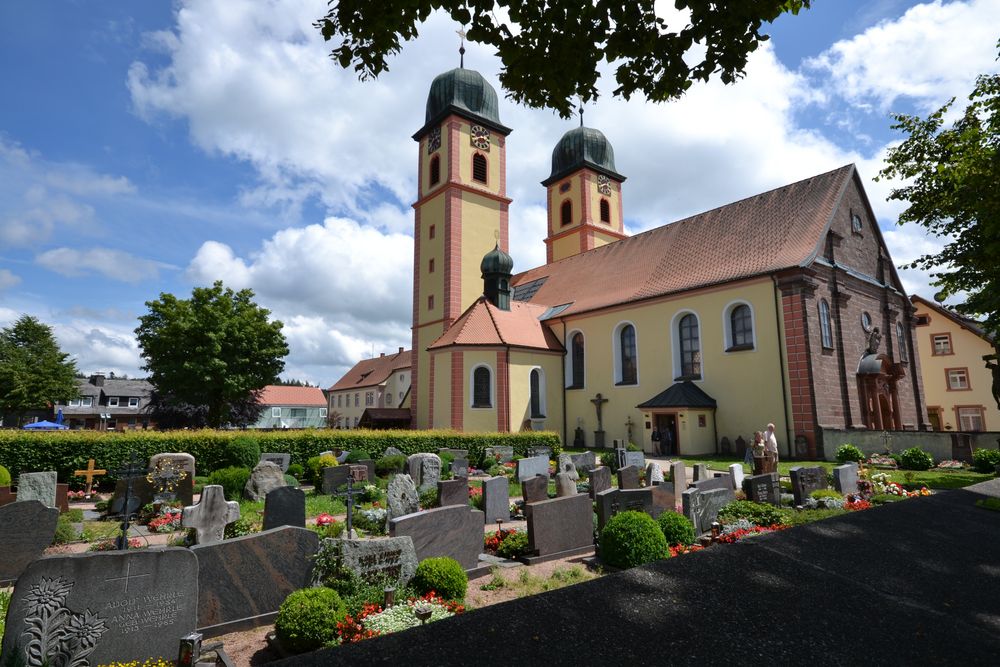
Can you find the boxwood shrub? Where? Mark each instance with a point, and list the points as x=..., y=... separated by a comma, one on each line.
x=307, y=619
x=232, y=480
x=676, y=528
x=443, y=575
x=630, y=539
x=759, y=514
x=848, y=452
x=986, y=460
x=915, y=458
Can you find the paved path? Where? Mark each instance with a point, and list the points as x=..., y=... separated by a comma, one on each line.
x=915, y=582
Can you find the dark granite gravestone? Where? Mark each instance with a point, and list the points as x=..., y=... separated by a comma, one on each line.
x=453, y=492
x=393, y=558
x=720, y=482
x=725, y=445
x=664, y=498
x=600, y=480
x=535, y=489
x=499, y=454
x=560, y=525
x=62, y=497
x=763, y=488
x=584, y=462
x=460, y=468
x=565, y=465
x=335, y=477
x=845, y=478
x=369, y=464
x=700, y=472
x=242, y=581
x=805, y=481
x=40, y=486
x=279, y=459
x=183, y=487
x=637, y=459
x=401, y=496
x=117, y=606
x=529, y=467
x=496, y=499
x=613, y=501
x=456, y=532
x=678, y=475
x=607, y=506
x=285, y=507
x=264, y=478
x=628, y=477
x=702, y=507
x=26, y=528
x=142, y=494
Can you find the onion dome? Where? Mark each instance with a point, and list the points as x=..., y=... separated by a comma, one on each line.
x=464, y=92
x=583, y=147
x=496, y=261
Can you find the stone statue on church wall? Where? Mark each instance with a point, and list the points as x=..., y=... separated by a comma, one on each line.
x=874, y=340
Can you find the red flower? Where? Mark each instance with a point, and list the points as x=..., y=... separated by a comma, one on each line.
x=325, y=520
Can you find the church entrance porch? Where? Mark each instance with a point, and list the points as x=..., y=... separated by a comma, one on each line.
x=665, y=434
x=877, y=378
x=679, y=421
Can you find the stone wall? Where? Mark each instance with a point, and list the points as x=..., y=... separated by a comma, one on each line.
x=938, y=444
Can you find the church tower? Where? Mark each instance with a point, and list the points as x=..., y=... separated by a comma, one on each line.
x=584, y=195
x=460, y=213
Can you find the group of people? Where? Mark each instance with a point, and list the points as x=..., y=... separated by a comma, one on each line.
x=764, y=444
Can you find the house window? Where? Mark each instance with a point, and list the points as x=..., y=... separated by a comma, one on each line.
x=369, y=398
x=482, y=387
x=323, y=412
x=430, y=266
x=970, y=419
x=339, y=399
x=740, y=328
x=430, y=302
x=112, y=401
x=690, y=347
x=479, y=168
x=702, y=421
x=430, y=232
x=825, y=329
x=355, y=422
x=74, y=403
x=627, y=356
x=275, y=413
x=357, y=399
x=297, y=412
x=958, y=379
x=566, y=212
x=87, y=401
x=576, y=361
x=922, y=320
x=605, y=211
x=133, y=401
x=435, y=170
x=942, y=344
x=901, y=342
x=537, y=383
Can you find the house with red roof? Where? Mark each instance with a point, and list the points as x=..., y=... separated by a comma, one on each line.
x=292, y=407
x=380, y=385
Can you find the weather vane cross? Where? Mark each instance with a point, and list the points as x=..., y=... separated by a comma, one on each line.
x=461, y=49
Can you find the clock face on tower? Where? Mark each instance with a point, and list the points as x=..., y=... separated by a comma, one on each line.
x=480, y=138
x=603, y=184
x=434, y=140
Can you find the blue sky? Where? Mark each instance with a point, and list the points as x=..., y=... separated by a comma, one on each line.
x=152, y=147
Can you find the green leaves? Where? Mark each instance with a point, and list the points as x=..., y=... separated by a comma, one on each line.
x=34, y=372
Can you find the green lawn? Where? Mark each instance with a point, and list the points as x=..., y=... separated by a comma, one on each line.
x=316, y=504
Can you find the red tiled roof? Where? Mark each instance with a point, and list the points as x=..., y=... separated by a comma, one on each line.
x=281, y=395
x=372, y=372
x=759, y=235
x=485, y=324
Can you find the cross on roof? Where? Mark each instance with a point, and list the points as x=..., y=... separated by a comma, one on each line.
x=461, y=49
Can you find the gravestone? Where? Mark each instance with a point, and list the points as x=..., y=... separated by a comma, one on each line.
x=654, y=473
x=285, y=506
x=805, y=481
x=496, y=499
x=736, y=475
x=529, y=467
x=566, y=466
x=664, y=498
x=700, y=472
x=266, y=477
x=102, y=608
x=26, y=528
x=211, y=515
x=600, y=480
x=764, y=488
x=628, y=477
x=455, y=453
x=845, y=478
x=460, y=468
x=453, y=492
x=392, y=451
x=741, y=446
x=585, y=462
x=565, y=485
x=142, y=494
x=62, y=497
x=613, y=501
x=725, y=445
x=560, y=525
x=182, y=487
x=393, y=558
x=637, y=459
x=606, y=505
x=402, y=496
x=500, y=454
x=540, y=450
x=279, y=459
x=456, y=532
x=40, y=486
x=702, y=507
x=535, y=489
x=334, y=477
x=425, y=470
x=720, y=482
x=369, y=465
x=243, y=581
x=678, y=475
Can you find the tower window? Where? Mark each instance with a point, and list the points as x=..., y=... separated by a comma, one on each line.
x=566, y=212
x=605, y=211
x=430, y=302
x=435, y=170
x=479, y=168
x=430, y=232
x=430, y=266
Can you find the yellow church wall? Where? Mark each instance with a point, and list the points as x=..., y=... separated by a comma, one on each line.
x=565, y=247
x=442, y=153
x=465, y=153
x=442, y=388
x=431, y=283
x=425, y=336
x=556, y=198
x=480, y=224
x=521, y=365
x=603, y=239
x=746, y=385
x=594, y=196
x=478, y=420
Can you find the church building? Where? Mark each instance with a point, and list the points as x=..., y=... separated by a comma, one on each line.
x=784, y=307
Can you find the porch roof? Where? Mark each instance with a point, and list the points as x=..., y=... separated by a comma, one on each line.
x=680, y=395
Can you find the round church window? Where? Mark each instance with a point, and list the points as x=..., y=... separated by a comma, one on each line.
x=866, y=321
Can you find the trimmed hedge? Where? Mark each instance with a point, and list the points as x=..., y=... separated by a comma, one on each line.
x=66, y=451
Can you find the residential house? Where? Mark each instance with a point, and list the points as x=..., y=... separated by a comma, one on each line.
x=381, y=382
x=292, y=407
x=106, y=402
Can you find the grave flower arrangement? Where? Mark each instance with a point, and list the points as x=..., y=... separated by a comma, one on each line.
x=76, y=496
x=882, y=460
x=493, y=540
x=476, y=496
x=680, y=549
x=166, y=522
x=857, y=505
x=110, y=545
x=402, y=616
x=372, y=520
x=325, y=520
x=951, y=464
x=740, y=533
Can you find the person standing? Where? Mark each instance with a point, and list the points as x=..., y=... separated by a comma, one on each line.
x=771, y=446
x=657, y=446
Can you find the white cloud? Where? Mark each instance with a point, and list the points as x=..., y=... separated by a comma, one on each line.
x=8, y=279
x=108, y=262
x=100, y=347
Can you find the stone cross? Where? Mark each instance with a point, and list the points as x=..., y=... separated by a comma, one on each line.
x=210, y=516
x=349, y=493
x=598, y=402
x=136, y=468
x=89, y=474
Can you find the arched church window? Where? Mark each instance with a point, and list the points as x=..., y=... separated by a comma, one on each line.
x=741, y=325
x=482, y=388
x=605, y=211
x=576, y=360
x=628, y=355
x=825, y=328
x=566, y=212
x=479, y=167
x=435, y=170
x=901, y=342
x=537, y=383
x=690, y=347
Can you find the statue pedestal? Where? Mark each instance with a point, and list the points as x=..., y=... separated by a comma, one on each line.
x=599, y=439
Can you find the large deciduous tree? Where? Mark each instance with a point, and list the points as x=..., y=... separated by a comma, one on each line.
x=34, y=372
x=209, y=356
x=551, y=49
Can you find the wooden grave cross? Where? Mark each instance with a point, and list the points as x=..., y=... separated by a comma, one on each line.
x=357, y=473
x=89, y=474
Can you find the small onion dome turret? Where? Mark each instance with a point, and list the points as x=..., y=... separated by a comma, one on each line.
x=583, y=147
x=464, y=92
x=496, y=261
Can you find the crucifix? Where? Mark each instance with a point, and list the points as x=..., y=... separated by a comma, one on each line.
x=357, y=474
x=598, y=402
x=136, y=468
x=461, y=49
x=128, y=575
x=628, y=425
x=89, y=474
